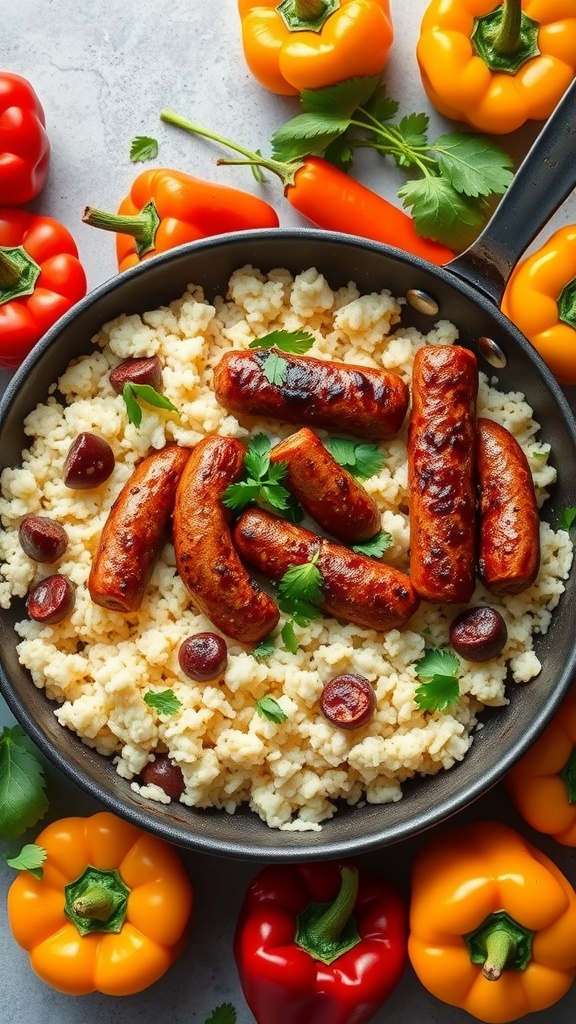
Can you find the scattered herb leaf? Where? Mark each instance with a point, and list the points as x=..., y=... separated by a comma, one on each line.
x=567, y=518
x=263, y=483
x=275, y=369
x=539, y=455
x=223, y=1014
x=30, y=858
x=268, y=707
x=360, y=458
x=289, y=637
x=375, y=546
x=165, y=702
x=143, y=148
x=23, y=799
x=300, y=592
x=296, y=342
x=133, y=394
x=265, y=649
x=439, y=671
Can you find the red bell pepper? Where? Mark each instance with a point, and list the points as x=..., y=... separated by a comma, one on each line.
x=322, y=943
x=41, y=277
x=24, y=144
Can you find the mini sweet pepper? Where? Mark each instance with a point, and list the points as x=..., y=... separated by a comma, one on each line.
x=307, y=44
x=41, y=278
x=24, y=143
x=166, y=208
x=542, y=784
x=492, y=923
x=110, y=912
x=495, y=64
x=319, y=943
x=540, y=298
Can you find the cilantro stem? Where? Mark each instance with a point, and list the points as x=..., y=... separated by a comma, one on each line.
x=392, y=142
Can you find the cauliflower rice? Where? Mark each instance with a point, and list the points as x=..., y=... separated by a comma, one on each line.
x=98, y=664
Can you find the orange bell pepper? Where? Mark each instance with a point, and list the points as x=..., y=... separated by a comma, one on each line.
x=167, y=208
x=110, y=912
x=492, y=923
x=308, y=44
x=540, y=298
x=495, y=64
x=542, y=784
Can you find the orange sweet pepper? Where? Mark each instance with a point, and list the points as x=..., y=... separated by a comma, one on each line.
x=542, y=784
x=495, y=64
x=492, y=923
x=309, y=44
x=109, y=913
x=540, y=298
x=166, y=208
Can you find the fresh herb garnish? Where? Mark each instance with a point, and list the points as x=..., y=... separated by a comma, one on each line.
x=295, y=342
x=133, y=394
x=300, y=592
x=375, y=547
x=30, y=858
x=23, y=799
x=165, y=702
x=360, y=458
x=439, y=671
x=458, y=171
x=268, y=707
x=262, y=485
x=143, y=148
x=567, y=518
x=223, y=1014
x=265, y=649
x=289, y=638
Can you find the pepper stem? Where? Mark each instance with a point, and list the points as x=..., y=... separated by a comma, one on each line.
x=506, y=38
x=140, y=226
x=97, y=901
x=499, y=944
x=18, y=273
x=327, y=930
x=306, y=15
x=567, y=314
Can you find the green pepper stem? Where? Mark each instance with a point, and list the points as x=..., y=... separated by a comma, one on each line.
x=326, y=931
x=331, y=924
x=499, y=944
x=9, y=270
x=567, y=314
x=507, y=39
x=140, y=226
x=308, y=10
x=306, y=15
x=18, y=273
x=97, y=901
x=500, y=948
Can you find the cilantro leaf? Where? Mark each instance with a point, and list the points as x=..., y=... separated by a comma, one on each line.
x=165, y=702
x=437, y=694
x=238, y=495
x=275, y=369
x=340, y=152
x=412, y=130
x=295, y=342
x=381, y=106
x=437, y=661
x=143, y=148
x=360, y=458
x=375, y=547
x=300, y=590
x=265, y=648
x=307, y=134
x=343, y=98
x=567, y=518
x=30, y=858
x=223, y=1014
x=268, y=707
x=23, y=800
x=440, y=212
x=263, y=484
x=473, y=164
x=257, y=458
x=289, y=637
x=133, y=394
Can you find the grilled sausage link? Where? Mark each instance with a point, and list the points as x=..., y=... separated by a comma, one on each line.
x=135, y=531
x=509, y=555
x=355, y=400
x=205, y=557
x=441, y=473
x=330, y=495
x=355, y=588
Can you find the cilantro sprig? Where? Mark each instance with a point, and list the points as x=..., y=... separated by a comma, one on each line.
x=567, y=518
x=143, y=148
x=375, y=546
x=31, y=858
x=457, y=171
x=263, y=483
x=438, y=670
x=360, y=458
x=165, y=702
x=23, y=800
x=225, y=1013
x=294, y=342
x=133, y=394
x=269, y=708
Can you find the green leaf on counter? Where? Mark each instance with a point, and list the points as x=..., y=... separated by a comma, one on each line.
x=165, y=702
x=23, y=800
x=472, y=163
x=143, y=148
x=30, y=858
x=268, y=707
x=223, y=1014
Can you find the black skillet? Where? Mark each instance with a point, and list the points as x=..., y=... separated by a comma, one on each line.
x=466, y=292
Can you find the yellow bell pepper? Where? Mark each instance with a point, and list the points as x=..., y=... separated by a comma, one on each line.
x=492, y=923
x=110, y=912
x=495, y=64
x=540, y=298
x=308, y=44
x=542, y=784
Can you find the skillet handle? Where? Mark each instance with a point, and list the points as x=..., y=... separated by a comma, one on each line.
x=543, y=181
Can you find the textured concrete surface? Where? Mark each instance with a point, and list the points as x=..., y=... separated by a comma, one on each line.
x=103, y=71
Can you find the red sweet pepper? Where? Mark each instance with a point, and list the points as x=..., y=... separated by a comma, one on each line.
x=24, y=144
x=323, y=943
x=41, y=277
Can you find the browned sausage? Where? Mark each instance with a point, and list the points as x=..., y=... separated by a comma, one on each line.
x=330, y=495
x=355, y=588
x=207, y=562
x=441, y=473
x=135, y=530
x=509, y=555
x=355, y=400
